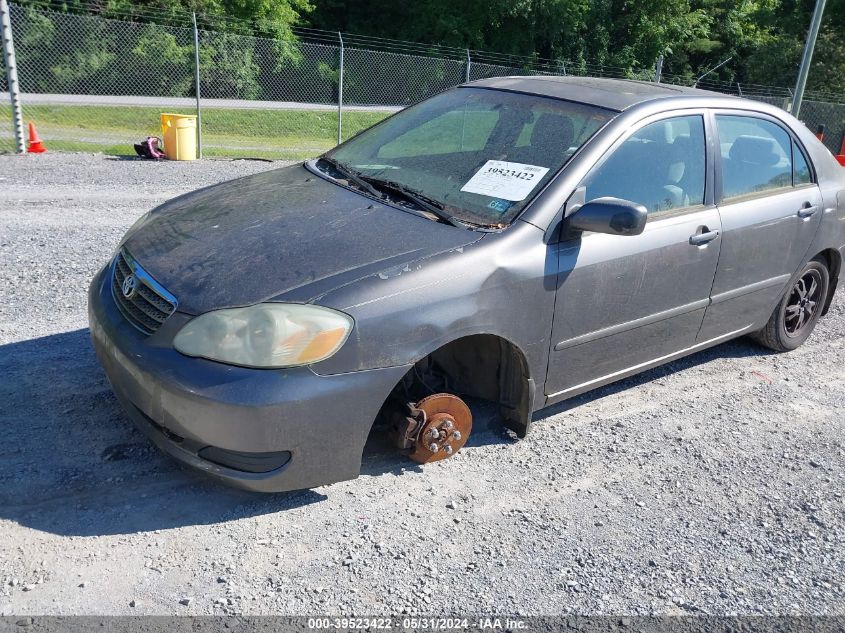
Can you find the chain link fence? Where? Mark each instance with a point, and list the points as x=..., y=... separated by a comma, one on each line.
x=98, y=84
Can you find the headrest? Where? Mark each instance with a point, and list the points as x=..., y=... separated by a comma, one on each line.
x=756, y=150
x=682, y=143
x=679, y=152
x=660, y=132
x=553, y=130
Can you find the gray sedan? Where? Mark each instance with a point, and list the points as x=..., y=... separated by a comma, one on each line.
x=515, y=240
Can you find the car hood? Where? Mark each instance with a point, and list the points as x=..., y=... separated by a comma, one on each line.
x=284, y=234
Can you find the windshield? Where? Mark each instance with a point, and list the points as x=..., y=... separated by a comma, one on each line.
x=479, y=155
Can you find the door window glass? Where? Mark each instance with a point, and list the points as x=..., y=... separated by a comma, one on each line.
x=756, y=156
x=661, y=166
x=802, y=167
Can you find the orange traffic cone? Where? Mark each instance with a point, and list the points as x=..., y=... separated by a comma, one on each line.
x=35, y=144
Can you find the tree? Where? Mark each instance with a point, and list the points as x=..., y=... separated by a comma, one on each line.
x=764, y=38
x=271, y=17
x=624, y=33
x=630, y=34
x=779, y=61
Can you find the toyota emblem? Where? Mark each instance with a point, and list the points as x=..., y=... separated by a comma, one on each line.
x=129, y=285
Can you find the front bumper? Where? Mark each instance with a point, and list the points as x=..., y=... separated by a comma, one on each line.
x=191, y=407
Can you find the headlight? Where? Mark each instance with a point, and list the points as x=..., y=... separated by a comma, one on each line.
x=265, y=335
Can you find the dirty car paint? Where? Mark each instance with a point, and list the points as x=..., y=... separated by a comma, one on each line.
x=260, y=237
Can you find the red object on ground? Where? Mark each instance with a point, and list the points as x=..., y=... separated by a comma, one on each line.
x=35, y=144
x=841, y=159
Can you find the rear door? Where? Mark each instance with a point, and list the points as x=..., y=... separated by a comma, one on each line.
x=624, y=301
x=770, y=207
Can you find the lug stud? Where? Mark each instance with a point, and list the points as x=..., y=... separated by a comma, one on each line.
x=446, y=423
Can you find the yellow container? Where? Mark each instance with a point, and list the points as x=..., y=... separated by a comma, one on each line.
x=179, y=133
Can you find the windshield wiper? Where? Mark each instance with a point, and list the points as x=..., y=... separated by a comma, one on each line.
x=418, y=198
x=372, y=185
x=352, y=176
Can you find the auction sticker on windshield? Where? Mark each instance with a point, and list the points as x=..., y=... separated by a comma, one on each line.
x=501, y=179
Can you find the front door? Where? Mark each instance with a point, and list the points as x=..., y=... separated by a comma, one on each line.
x=770, y=210
x=623, y=301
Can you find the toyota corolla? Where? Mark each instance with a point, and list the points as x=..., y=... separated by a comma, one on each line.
x=515, y=240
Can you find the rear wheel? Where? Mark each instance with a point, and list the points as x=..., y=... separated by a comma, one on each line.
x=796, y=315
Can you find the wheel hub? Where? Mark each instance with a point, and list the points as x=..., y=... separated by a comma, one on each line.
x=446, y=425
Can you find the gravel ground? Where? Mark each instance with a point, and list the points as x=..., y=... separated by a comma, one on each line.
x=711, y=485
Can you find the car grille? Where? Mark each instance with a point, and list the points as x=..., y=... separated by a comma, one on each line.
x=148, y=305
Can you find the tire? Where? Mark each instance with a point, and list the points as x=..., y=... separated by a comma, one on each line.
x=799, y=310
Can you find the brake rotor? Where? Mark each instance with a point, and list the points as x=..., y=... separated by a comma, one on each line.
x=447, y=426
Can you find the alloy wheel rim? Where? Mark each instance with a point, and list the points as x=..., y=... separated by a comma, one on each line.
x=803, y=303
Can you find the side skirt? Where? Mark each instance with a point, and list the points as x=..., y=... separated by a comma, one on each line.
x=571, y=392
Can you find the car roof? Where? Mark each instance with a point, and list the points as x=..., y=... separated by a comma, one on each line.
x=613, y=94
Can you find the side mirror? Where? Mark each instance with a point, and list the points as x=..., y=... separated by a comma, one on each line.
x=609, y=215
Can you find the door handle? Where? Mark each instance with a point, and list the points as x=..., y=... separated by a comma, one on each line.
x=700, y=239
x=807, y=211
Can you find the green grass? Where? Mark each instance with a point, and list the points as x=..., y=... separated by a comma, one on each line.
x=292, y=134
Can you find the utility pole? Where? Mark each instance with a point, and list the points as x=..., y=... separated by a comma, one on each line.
x=807, y=58
x=12, y=75
x=197, y=82
x=340, y=93
x=658, y=71
x=469, y=65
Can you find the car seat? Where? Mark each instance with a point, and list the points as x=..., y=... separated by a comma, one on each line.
x=551, y=139
x=752, y=163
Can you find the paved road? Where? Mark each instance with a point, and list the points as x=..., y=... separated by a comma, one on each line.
x=187, y=102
